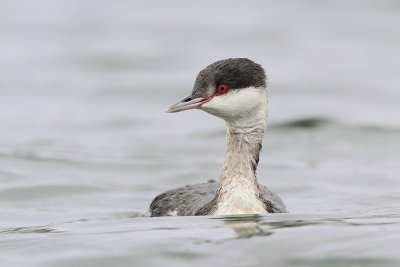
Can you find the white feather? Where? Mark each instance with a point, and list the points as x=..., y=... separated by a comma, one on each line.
x=241, y=109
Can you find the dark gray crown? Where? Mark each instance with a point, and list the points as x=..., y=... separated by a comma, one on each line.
x=237, y=73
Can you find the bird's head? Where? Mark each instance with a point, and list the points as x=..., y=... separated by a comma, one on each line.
x=233, y=89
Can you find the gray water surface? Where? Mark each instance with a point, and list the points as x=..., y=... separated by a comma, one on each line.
x=85, y=145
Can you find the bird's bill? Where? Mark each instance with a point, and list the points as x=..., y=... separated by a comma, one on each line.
x=186, y=104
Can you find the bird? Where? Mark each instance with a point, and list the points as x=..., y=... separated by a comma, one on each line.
x=234, y=90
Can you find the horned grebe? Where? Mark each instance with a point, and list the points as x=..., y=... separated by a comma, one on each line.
x=235, y=90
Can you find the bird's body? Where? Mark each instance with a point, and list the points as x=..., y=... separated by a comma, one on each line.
x=188, y=200
x=234, y=90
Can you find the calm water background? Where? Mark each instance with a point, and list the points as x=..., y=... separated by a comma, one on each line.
x=85, y=144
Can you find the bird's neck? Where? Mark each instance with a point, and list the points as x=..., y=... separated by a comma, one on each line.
x=238, y=190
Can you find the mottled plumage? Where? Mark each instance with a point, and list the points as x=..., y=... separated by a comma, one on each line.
x=188, y=200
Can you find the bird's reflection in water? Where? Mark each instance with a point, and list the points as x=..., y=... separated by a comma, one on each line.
x=245, y=226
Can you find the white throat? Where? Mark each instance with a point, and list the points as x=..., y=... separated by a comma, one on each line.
x=243, y=109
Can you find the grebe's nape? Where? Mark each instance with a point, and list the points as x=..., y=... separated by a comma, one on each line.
x=234, y=90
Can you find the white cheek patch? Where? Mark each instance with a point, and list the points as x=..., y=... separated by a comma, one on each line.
x=239, y=104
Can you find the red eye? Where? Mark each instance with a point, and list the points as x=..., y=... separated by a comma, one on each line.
x=222, y=89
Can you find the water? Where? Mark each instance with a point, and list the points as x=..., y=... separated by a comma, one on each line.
x=85, y=145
